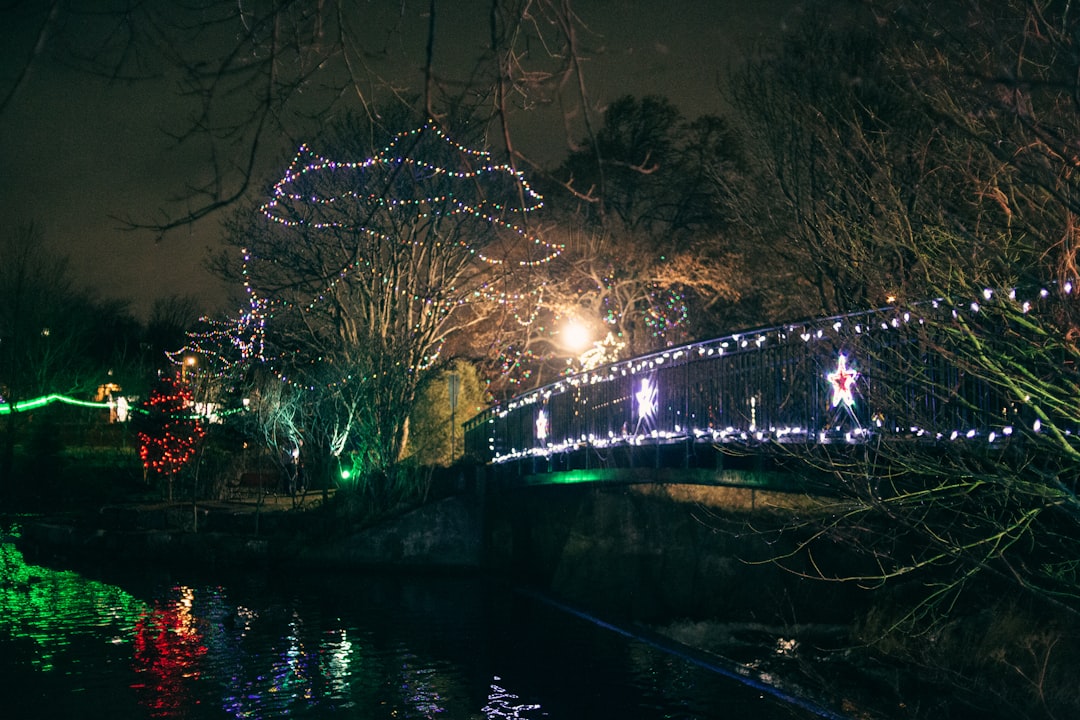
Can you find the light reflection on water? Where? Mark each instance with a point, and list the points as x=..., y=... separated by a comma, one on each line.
x=314, y=646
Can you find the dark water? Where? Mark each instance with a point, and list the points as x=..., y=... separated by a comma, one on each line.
x=98, y=644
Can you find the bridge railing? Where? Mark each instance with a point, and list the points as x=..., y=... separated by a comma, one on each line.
x=783, y=384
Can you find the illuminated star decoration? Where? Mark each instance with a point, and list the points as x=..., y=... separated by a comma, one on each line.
x=843, y=383
x=541, y=426
x=646, y=399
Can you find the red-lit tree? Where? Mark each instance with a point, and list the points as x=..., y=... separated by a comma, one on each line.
x=168, y=430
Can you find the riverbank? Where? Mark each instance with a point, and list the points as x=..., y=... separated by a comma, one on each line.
x=694, y=565
x=273, y=532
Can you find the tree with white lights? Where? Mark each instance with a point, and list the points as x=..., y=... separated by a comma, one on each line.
x=360, y=272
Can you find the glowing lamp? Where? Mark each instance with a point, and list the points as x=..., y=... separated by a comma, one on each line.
x=576, y=336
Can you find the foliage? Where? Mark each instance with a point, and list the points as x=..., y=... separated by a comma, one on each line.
x=648, y=168
x=642, y=214
x=1007, y=659
x=435, y=432
x=171, y=317
x=44, y=328
x=54, y=337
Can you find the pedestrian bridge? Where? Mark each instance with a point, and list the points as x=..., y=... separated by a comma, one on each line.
x=883, y=375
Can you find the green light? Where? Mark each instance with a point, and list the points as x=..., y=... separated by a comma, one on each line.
x=346, y=473
x=43, y=606
x=38, y=402
x=763, y=479
x=49, y=399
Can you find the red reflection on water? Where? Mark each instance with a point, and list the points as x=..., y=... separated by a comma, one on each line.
x=168, y=648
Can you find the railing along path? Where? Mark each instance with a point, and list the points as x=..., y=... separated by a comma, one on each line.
x=845, y=379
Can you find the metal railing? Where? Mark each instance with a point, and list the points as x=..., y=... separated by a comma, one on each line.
x=784, y=384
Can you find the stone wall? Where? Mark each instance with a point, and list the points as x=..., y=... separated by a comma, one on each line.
x=642, y=551
x=651, y=552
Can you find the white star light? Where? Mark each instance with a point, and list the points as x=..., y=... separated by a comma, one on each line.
x=541, y=426
x=646, y=399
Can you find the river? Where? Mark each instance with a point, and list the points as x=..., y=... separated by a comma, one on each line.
x=96, y=643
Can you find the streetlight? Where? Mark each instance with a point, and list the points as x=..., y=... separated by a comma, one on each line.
x=189, y=366
x=576, y=336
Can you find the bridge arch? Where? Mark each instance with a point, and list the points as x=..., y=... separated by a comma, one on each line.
x=888, y=373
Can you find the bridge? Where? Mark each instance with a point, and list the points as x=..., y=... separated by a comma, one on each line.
x=709, y=407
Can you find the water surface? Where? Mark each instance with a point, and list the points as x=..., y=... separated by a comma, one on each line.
x=99, y=643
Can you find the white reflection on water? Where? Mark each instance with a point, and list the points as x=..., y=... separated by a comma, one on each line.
x=501, y=704
x=337, y=649
x=420, y=683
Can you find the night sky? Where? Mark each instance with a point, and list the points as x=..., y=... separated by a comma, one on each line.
x=80, y=154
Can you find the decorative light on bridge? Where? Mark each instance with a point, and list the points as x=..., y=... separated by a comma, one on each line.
x=646, y=399
x=541, y=426
x=842, y=380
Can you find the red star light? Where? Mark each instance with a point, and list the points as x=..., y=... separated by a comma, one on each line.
x=843, y=383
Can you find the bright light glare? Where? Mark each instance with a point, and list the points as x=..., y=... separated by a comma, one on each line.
x=576, y=336
x=646, y=398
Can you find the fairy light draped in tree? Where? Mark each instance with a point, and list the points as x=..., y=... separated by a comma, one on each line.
x=227, y=344
x=167, y=438
x=358, y=273
x=422, y=178
x=321, y=193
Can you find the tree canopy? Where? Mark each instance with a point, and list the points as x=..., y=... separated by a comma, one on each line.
x=924, y=155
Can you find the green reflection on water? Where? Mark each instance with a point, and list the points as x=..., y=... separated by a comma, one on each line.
x=50, y=607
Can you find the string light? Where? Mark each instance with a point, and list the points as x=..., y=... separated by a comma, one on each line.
x=296, y=200
x=399, y=186
x=498, y=422
x=166, y=440
x=38, y=402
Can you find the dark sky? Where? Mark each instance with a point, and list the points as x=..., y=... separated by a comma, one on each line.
x=79, y=153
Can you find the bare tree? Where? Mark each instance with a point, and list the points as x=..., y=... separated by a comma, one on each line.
x=648, y=257
x=254, y=79
x=46, y=331
x=938, y=168
x=369, y=267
